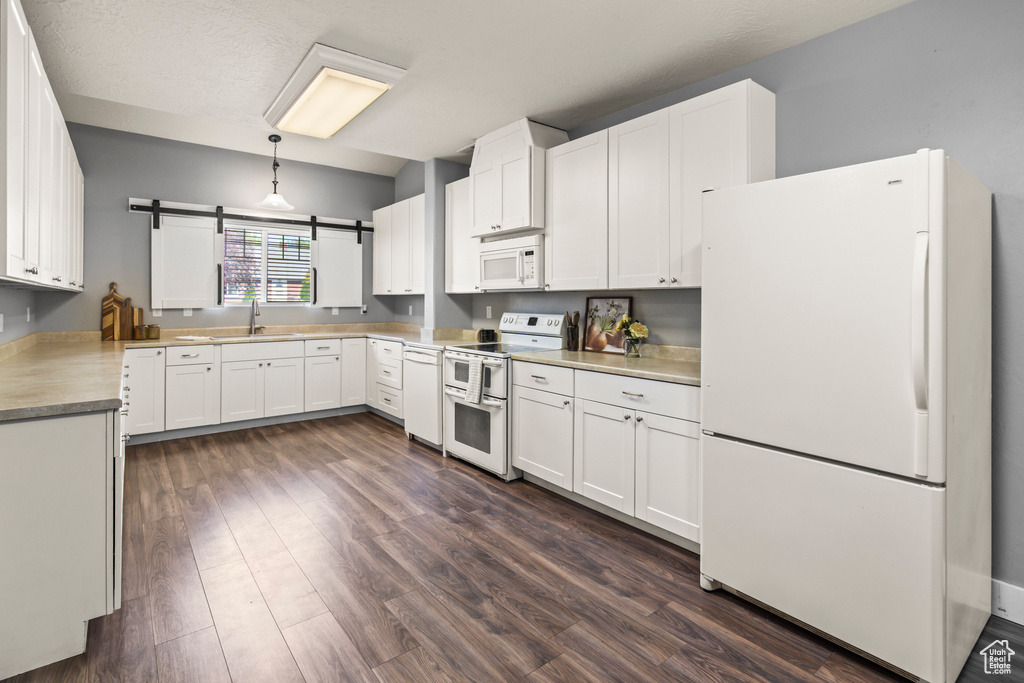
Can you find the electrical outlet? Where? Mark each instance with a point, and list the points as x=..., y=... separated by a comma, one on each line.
x=334, y=310
x=158, y=312
x=488, y=311
x=28, y=314
x=410, y=309
x=363, y=309
x=187, y=312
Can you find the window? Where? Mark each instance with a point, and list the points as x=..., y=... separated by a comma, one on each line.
x=270, y=265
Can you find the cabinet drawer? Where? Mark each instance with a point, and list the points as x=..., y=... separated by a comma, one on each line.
x=190, y=355
x=389, y=400
x=389, y=372
x=262, y=351
x=388, y=349
x=323, y=347
x=544, y=377
x=662, y=398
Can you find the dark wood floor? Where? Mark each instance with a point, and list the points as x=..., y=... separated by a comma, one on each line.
x=337, y=550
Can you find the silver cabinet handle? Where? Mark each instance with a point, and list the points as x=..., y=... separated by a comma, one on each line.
x=386, y=372
x=542, y=378
x=323, y=348
x=261, y=365
x=626, y=417
x=268, y=363
x=73, y=283
x=159, y=353
x=630, y=393
x=661, y=279
x=566, y=402
x=675, y=279
x=386, y=350
x=126, y=438
x=639, y=419
x=33, y=270
x=127, y=388
x=57, y=279
x=337, y=358
x=208, y=368
x=190, y=355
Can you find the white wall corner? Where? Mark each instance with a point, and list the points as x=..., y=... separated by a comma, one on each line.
x=1008, y=601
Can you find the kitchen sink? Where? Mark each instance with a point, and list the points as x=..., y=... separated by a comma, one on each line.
x=282, y=335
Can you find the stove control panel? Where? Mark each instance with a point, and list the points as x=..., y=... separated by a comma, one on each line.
x=547, y=324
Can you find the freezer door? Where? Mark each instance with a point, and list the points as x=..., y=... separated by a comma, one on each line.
x=814, y=314
x=854, y=554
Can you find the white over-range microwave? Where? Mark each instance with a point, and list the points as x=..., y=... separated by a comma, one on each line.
x=515, y=263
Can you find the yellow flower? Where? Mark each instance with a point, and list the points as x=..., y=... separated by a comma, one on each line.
x=638, y=330
x=622, y=324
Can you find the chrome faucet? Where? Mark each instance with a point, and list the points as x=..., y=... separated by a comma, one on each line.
x=254, y=311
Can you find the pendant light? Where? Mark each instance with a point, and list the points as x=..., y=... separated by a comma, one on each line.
x=274, y=201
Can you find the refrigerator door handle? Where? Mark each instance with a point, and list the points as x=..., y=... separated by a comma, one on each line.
x=919, y=351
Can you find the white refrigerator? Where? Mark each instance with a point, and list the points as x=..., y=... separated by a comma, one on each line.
x=846, y=371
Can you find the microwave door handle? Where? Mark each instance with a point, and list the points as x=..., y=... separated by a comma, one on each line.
x=519, y=266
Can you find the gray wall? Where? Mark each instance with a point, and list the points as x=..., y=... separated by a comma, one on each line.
x=442, y=310
x=120, y=165
x=13, y=303
x=410, y=180
x=933, y=73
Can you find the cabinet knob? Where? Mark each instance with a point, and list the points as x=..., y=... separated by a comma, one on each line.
x=675, y=279
x=476, y=286
x=159, y=353
x=73, y=283
x=639, y=419
x=261, y=365
x=56, y=279
x=268, y=363
x=337, y=358
x=547, y=286
x=661, y=279
x=627, y=417
x=565, y=402
x=127, y=388
x=208, y=368
x=33, y=270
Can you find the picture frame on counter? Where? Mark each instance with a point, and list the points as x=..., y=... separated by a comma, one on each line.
x=603, y=314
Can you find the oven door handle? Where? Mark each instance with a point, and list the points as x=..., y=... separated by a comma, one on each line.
x=484, y=401
x=455, y=392
x=491, y=404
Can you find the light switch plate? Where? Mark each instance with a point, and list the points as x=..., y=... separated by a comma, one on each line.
x=410, y=309
x=1, y=322
x=28, y=314
x=488, y=311
x=187, y=312
x=157, y=312
x=334, y=311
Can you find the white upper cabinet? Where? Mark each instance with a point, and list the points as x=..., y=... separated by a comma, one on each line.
x=721, y=139
x=576, y=239
x=186, y=252
x=42, y=203
x=382, y=251
x=338, y=260
x=462, y=269
x=638, y=202
x=399, y=247
x=507, y=177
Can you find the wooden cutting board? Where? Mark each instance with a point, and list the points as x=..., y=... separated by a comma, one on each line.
x=110, y=316
x=127, y=319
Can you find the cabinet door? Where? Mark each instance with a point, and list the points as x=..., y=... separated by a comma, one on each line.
x=353, y=372
x=668, y=474
x=144, y=390
x=185, y=251
x=417, y=244
x=323, y=383
x=638, y=203
x=542, y=425
x=485, y=188
x=371, y=371
x=604, y=454
x=382, y=251
x=401, y=267
x=576, y=241
x=284, y=393
x=339, y=268
x=461, y=262
x=516, y=195
x=60, y=203
x=39, y=112
x=15, y=128
x=193, y=396
x=241, y=393
x=721, y=139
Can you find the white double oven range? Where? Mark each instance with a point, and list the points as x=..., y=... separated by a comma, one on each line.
x=478, y=432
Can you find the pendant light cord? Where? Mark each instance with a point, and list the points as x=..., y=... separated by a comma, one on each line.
x=276, y=165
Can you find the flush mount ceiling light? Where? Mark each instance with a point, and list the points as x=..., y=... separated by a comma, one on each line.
x=328, y=89
x=274, y=201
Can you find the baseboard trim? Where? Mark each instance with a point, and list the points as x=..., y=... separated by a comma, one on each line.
x=1008, y=601
x=246, y=424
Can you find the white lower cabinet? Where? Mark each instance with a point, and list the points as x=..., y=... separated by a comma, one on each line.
x=323, y=382
x=542, y=435
x=353, y=372
x=241, y=390
x=143, y=390
x=668, y=474
x=283, y=386
x=604, y=455
x=384, y=376
x=193, y=396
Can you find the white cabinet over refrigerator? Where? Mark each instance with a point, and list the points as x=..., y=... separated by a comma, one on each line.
x=846, y=357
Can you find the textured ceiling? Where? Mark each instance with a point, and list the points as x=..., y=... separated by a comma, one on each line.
x=205, y=71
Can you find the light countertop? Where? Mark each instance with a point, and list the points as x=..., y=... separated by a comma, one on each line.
x=661, y=369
